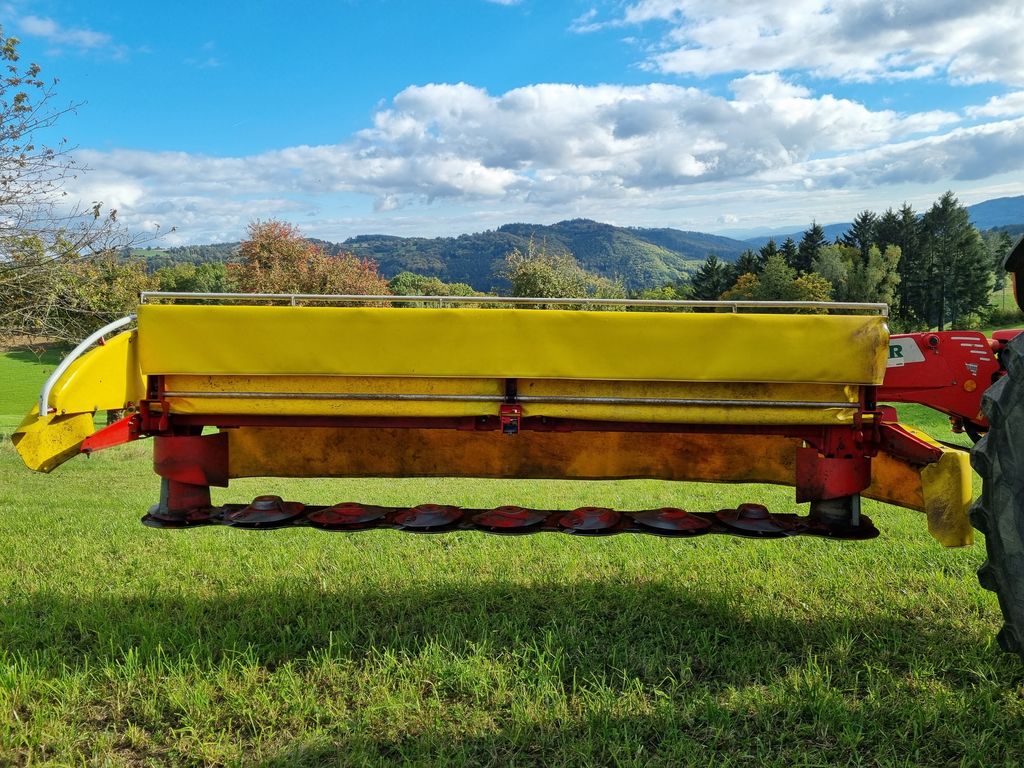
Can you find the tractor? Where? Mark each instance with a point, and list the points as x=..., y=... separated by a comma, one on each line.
x=260, y=385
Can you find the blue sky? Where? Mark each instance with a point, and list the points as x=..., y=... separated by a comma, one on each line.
x=422, y=118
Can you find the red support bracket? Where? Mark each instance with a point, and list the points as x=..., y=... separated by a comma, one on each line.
x=819, y=477
x=897, y=442
x=121, y=431
x=511, y=415
x=200, y=460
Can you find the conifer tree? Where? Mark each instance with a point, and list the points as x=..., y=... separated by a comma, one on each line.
x=810, y=247
x=712, y=279
x=954, y=264
x=862, y=233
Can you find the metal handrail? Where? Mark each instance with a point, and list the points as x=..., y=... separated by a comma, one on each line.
x=77, y=352
x=294, y=298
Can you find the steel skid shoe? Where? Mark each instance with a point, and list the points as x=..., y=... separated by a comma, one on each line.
x=753, y=520
x=509, y=520
x=839, y=519
x=265, y=512
x=590, y=521
x=181, y=506
x=429, y=518
x=347, y=516
x=670, y=521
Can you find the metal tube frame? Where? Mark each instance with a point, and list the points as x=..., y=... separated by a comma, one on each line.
x=441, y=301
x=553, y=399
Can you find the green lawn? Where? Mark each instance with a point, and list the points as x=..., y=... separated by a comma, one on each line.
x=123, y=645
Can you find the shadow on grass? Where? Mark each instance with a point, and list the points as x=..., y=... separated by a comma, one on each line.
x=731, y=679
x=45, y=354
x=596, y=627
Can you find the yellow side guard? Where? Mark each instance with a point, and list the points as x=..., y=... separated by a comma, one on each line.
x=106, y=377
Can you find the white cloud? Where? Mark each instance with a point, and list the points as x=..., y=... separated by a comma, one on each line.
x=962, y=155
x=586, y=22
x=848, y=39
x=579, y=150
x=56, y=34
x=1008, y=105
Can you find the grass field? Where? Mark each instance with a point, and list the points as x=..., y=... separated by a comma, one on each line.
x=123, y=645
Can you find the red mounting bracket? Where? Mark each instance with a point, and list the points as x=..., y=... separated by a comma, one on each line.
x=511, y=414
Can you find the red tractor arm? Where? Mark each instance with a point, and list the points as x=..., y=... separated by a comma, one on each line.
x=945, y=370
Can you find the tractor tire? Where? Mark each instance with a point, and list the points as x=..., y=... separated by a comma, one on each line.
x=999, y=513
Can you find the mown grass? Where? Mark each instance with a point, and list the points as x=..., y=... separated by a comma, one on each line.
x=123, y=645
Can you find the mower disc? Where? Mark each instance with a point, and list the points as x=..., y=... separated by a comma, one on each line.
x=590, y=520
x=508, y=519
x=672, y=521
x=428, y=517
x=751, y=519
x=348, y=515
x=265, y=512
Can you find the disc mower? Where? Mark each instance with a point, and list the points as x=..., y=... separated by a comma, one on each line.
x=231, y=386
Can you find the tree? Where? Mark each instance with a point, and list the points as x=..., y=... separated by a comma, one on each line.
x=833, y=265
x=855, y=278
x=411, y=284
x=211, y=277
x=276, y=258
x=40, y=237
x=862, y=233
x=810, y=246
x=955, y=265
x=68, y=297
x=748, y=263
x=779, y=282
x=888, y=229
x=998, y=244
x=539, y=273
x=677, y=291
x=767, y=250
x=903, y=230
x=789, y=252
x=712, y=279
x=874, y=277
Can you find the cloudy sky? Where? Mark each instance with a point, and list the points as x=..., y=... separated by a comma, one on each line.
x=426, y=118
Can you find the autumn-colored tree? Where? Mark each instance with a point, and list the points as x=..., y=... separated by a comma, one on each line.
x=276, y=258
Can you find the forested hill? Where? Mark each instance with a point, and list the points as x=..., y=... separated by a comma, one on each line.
x=641, y=258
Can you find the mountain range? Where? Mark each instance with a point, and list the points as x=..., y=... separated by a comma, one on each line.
x=639, y=257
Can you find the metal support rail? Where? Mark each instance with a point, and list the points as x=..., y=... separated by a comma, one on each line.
x=77, y=352
x=526, y=399
x=441, y=301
